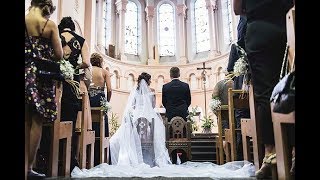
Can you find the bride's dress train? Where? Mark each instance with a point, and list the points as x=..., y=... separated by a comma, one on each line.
x=138, y=147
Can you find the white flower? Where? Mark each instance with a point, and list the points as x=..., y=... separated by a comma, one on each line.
x=105, y=105
x=215, y=104
x=241, y=65
x=66, y=69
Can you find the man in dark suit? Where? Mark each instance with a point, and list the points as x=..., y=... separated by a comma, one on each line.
x=176, y=97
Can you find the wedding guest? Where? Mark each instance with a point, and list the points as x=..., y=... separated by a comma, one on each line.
x=176, y=97
x=40, y=105
x=265, y=44
x=238, y=82
x=74, y=46
x=99, y=91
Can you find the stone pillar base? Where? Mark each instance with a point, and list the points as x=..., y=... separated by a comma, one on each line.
x=152, y=62
x=124, y=57
x=213, y=54
x=183, y=60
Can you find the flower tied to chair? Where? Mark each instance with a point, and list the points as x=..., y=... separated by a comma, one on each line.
x=283, y=94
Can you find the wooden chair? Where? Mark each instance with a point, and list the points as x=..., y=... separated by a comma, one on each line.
x=250, y=129
x=234, y=102
x=145, y=130
x=178, y=136
x=59, y=131
x=281, y=142
x=98, y=116
x=220, y=137
x=87, y=137
x=281, y=120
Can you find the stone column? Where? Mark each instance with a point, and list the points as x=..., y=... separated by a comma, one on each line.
x=121, y=10
x=181, y=11
x=113, y=24
x=216, y=29
x=211, y=6
x=149, y=17
x=100, y=25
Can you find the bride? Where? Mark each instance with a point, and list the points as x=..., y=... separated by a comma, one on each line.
x=141, y=136
x=138, y=147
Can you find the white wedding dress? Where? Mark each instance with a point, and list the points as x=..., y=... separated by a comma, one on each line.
x=138, y=147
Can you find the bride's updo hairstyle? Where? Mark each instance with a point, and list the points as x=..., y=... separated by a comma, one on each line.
x=46, y=6
x=144, y=76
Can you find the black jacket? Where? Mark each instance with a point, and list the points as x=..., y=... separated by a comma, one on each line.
x=176, y=98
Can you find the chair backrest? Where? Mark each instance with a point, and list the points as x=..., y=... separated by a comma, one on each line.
x=145, y=130
x=178, y=129
x=291, y=35
x=241, y=100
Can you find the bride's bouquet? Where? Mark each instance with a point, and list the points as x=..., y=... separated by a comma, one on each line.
x=215, y=104
x=105, y=105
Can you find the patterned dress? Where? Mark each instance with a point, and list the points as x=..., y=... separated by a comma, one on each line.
x=39, y=94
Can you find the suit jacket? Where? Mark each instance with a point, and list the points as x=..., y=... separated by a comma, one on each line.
x=176, y=98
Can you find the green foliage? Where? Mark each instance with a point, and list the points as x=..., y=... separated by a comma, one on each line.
x=192, y=113
x=190, y=118
x=207, y=122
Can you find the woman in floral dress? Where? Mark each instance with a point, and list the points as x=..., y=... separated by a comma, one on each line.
x=42, y=38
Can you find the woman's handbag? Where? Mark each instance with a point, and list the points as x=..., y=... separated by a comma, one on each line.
x=46, y=69
x=283, y=94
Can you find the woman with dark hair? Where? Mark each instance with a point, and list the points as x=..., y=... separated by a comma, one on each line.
x=42, y=37
x=147, y=77
x=140, y=124
x=73, y=46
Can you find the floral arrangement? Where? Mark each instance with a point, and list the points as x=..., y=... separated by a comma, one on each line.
x=113, y=123
x=190, y=118
x=207, y=122
x=241, y=65
x=105, y=105
x=66, y=69
x=215, y=104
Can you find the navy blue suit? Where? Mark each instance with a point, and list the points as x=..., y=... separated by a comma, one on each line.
x=176, y=98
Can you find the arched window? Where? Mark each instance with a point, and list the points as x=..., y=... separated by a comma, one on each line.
x=160, y=83
x=114, y=80
x=202, y=26
x=193, y=81
x=106, y=14
x=131, y=36
x=227, y=21
x=130, y=82
x=166, y=30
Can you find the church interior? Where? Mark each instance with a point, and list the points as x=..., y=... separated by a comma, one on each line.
x=152, y=36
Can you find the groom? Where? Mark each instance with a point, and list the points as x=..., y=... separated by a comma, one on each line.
x=176, y=97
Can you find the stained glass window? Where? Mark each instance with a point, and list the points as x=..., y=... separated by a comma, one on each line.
x=131, y=36
x=166, y=27
x=227, y=21
x=202, y=26
x=106, y=14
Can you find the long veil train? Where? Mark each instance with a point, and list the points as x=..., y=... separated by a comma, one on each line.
x=138, y=147
x=141, y=136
